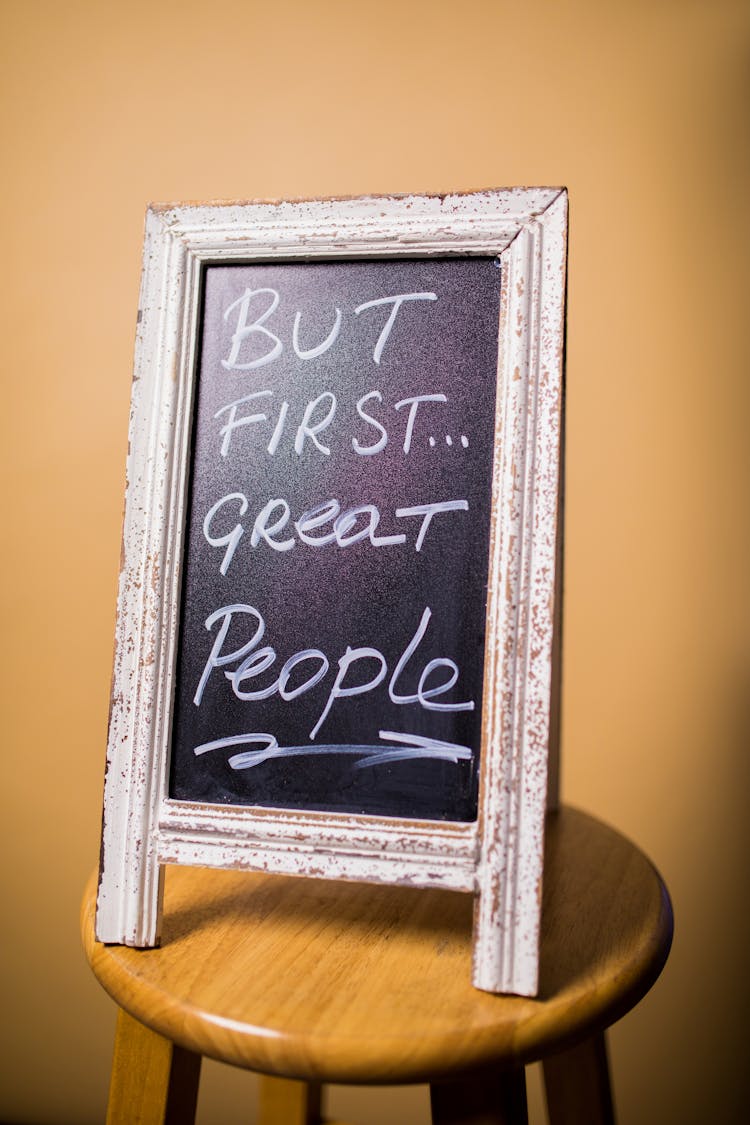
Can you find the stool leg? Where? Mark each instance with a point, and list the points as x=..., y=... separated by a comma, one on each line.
x=577, y=1084
x=495, y=1098
x=153, y=1082
x=284, y=1101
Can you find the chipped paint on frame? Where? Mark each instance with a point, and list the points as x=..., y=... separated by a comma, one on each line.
x=499, y=858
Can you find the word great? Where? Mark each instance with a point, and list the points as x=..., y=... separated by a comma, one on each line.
x=271, y=522
x=252, y=661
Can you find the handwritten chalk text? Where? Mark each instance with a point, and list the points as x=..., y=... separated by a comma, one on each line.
x=250, y=661
x=251, y=334
x=316, y=417
x=271, y=524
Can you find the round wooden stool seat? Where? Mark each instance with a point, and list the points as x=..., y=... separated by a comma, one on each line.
x=352, y=983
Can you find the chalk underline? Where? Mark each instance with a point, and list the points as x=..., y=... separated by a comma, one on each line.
x=412, y=747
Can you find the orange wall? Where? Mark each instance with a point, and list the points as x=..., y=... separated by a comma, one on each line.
x=640, y=109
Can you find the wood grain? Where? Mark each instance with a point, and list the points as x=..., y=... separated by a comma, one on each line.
x=283, y=1101
x=344, y=982
x=153, y=1081
x=577, y=1084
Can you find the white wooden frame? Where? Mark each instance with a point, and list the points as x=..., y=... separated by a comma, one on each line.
x=499, y=858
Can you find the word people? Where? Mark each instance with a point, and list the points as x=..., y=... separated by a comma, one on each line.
x=251, y=661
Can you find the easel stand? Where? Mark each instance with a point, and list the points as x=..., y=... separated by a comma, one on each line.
x=314, y=982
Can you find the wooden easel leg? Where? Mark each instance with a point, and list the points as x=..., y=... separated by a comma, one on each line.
x=577, y=1084
x=284, y=1101
x=153, y=1082
x=495, y=1098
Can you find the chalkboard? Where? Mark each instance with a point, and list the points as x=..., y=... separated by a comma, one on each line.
x=334, y=598
x=338, y=604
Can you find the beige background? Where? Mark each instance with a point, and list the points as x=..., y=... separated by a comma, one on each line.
x=640, y=108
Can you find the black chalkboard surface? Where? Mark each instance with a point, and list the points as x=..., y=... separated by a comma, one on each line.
x=335, y=570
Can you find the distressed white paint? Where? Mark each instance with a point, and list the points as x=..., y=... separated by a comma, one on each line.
x=500, y=858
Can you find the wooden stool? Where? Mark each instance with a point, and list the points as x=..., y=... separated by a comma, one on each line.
x=322, y=982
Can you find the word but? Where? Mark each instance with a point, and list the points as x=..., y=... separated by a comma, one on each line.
x=250, y=335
